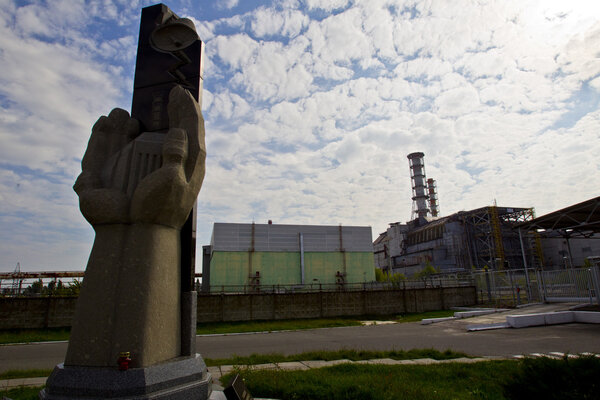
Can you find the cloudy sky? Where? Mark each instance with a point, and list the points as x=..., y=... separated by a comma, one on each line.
x=311, y=107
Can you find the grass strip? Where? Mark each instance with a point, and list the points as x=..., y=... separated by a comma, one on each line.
x=363, y=382
x=531, y=378
x=270, y=326
x=59, y=334
x=313, y=323
x=34, y=335
x=347, y=354
x=26, y=373
x=22, y=393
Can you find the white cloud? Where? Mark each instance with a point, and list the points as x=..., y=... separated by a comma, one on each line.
x=235, y=50
x=311, y=107
x=269, y=22
x=228, y=106
x=459, y=101
x=339, y=38
x=226, y=4
x=327, y=5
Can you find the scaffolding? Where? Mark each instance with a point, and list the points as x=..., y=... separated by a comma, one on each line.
x=491, y=241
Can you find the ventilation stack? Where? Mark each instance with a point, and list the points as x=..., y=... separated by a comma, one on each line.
x=434, y=207
x=419, y=186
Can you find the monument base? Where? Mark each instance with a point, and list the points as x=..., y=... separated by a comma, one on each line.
x=179, y=379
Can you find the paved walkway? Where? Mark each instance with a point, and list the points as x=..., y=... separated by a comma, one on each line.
x=218, y=371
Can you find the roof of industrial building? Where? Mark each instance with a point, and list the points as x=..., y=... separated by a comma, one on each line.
x=579, y=219
x=278, y=238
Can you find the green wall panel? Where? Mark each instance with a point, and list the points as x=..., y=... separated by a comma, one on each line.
x=283, y=268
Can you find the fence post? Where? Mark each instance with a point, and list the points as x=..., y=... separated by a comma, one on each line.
x=541, y=285
x=512, y=286
x=595, y=272
x=487, y=283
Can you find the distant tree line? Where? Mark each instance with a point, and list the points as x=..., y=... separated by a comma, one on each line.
x=53, y=288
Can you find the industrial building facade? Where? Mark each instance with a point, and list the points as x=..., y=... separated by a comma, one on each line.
x=484, y=237
x=262, y=255
x=479, y=238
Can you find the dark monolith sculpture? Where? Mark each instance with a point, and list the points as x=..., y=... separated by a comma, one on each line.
x=133, y=334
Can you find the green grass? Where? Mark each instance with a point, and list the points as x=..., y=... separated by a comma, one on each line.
x=529, y=379
x=58, y=334
x=548, y=379
x=27, y=373
x=363, y=382
x=22, y=393
x=296, y=324
x=34, y=335
x=270, y=326
x=348, y=354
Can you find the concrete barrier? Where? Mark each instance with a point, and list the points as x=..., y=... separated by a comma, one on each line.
x=587, y=317
x=554, y=318
x=560, y=317
x=475, y=313
x=523, y=321
x=429, y=321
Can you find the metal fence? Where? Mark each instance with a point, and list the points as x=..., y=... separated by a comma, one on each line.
x=36, y=284
x=428, y=282
x=511, y=288
x=572, y=285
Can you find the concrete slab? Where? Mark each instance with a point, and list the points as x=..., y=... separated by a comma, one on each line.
x=557, y=354
x=428, y=321
x=322, y=363
x=553, y=318
x=476, y=313
x=407, y=362
x=315, y=363
x=531, y=309
x=486, y=327
x=523, y=321
x=217, y=395
x=587, y=317
x=536, y=355
x=263, y=366
x=560, y=317
x=23, y=382
x=425, y=361
x=463, y=360
x=292, y=366
x=225, y=369
x=385, y=361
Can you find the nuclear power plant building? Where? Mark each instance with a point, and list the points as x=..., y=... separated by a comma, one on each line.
x=243, y=257
x=484, y=237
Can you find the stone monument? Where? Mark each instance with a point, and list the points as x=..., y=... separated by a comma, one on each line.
x=133, y=334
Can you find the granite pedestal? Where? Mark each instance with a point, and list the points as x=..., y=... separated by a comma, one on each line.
x=184, y=378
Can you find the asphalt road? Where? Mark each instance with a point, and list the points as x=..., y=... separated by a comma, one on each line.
x=573, y=338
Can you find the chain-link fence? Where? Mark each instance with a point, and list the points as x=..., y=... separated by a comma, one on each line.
x=510, y=288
